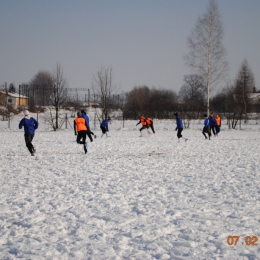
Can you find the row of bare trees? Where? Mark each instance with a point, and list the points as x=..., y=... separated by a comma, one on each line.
x=237, y=100
x=157, y=103
x=206, y=59
x=103, y=86
x=153, y=102
x=234, y=101
x=51, y=91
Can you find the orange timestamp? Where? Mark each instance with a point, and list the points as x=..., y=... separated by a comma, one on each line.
x=249, y=240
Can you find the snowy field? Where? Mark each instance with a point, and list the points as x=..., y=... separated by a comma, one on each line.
x=129, y=197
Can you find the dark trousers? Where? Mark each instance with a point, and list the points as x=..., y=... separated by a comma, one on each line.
x=179, y=135
x=81, y=135
x=28, y=141
x=217, y=128
x=213, y=129
x=89, y=135
x=152, y=128
x=143, y=127
x=104, y=130
x=207, y=131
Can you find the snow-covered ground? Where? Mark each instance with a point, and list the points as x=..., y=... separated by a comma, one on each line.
x=129, y=197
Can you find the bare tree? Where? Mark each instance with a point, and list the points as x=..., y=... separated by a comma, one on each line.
x=220, y=101
x=162, y=103
x=225, y=102
x=11, y=88
x=57, y=98
x=193, y=89
x=157, y=103
x=244, y=84
x=137, y=101
x=206, y=55
x=103, y=86
x=192, y=96
x=40, y=84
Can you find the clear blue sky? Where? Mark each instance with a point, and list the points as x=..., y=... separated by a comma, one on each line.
x=142, y=40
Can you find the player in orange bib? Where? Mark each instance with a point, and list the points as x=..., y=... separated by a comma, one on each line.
x=144, y=124
x=149, y=122
x=80, y=128
x=217, y=127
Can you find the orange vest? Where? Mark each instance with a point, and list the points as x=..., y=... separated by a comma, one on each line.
x=80, y=124
x=218, y=120
x=143, y=121
x=149, y=121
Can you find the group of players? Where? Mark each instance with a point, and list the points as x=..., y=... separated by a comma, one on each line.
x=146, y=124
x=82, y=128
x=211, y=123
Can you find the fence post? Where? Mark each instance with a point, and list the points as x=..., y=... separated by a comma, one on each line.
x=9, y=121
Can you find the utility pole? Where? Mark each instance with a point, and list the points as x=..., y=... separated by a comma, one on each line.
x=19, y=94
x=9, y=119
x=6, y=92
x=88, y=98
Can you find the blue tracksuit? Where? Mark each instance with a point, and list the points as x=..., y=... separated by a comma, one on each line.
x=87, y=120
x=104, y=124
x=179, y=123
x=29, y=125
x=212, y=121
x=207, y=122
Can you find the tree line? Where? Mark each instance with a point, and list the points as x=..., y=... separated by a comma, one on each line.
x=206, y=61
x=232, y=101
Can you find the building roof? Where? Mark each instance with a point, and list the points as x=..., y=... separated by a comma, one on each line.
x=253, y=95
x=12, y=94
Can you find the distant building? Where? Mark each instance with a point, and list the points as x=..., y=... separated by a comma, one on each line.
x=254, y=98
x=13, y=99
x=91, y=104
